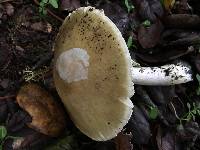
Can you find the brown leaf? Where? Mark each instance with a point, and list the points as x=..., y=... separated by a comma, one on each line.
x=182, y=7
x=149, y=9
x=165, y=56
x=123, y=142
x=139, y=127
x=70, y=4
x=47, y=116
x=166, y=141
x=169, y=4
x=184, y=21
x=9, y=9
x=41, y=26
x=118, y=15
x=149, y=37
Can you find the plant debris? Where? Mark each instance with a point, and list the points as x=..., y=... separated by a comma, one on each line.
x=47, y=116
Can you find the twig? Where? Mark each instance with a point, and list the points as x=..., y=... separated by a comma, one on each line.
x=6, y=97
x=175, y=111
x=50, y=12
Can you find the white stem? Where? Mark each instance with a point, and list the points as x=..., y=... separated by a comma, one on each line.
x=165, y=75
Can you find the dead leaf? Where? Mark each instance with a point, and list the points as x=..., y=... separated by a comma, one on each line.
x=123, y=142
x=47, y=116
x=139, y=127
x=149, y=9
x=118, y=15
x=70, y=5
x=149, y=37
x=168, y=4
x=184, y=21
x=4, y=83
x=166, y=141
x=9, y=9
x=42, y=27
x=182, y=7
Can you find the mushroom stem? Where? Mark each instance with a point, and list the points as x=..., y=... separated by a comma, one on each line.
x=164, y=75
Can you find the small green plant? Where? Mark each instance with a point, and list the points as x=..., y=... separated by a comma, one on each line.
x=130, y=43
x=193, y=112
x=4, y=135
x=147, y=23
x=198, y=89
x=153, y=112
x=129, y=6
x=43, y=4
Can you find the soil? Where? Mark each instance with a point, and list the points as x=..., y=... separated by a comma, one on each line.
x=164, y=117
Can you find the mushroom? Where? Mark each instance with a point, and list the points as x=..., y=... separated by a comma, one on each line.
x=47, y=116
x=94, y=76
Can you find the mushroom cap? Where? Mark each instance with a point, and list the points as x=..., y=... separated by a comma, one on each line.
x=47, y=116
x=92, y=73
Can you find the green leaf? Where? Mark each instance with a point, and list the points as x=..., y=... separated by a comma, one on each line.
x=45, y=1
x=128, y=6
x=193, y=117
x=146, y=23
x=130, y=42
x=3, y=132
x=198, y=77
x=188, y=106
x=198, y=112
x=189, y=117
x=198, y=91
x=194, y=111
x=54, y=3
x=153, y=113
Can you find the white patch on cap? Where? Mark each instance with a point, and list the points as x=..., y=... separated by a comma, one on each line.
x=72, y=65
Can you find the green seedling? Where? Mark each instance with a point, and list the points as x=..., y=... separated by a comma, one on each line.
x=153, y=112
x=130, y=43
x=147, y=23
x=4, y=135
x=129, y=6
x=44, y=3
x=3, y=132
x=193, y=112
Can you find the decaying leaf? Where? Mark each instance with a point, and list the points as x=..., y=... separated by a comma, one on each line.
x=47, y=116
x=139, y=127
x=42, y=27
x=166, y=141
x=149, y=9
x=69, y=4
x=118, y=15
x=9, y=9
x=123, y=142
x=183, y=21
x=168, y=4
x=148, y=37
